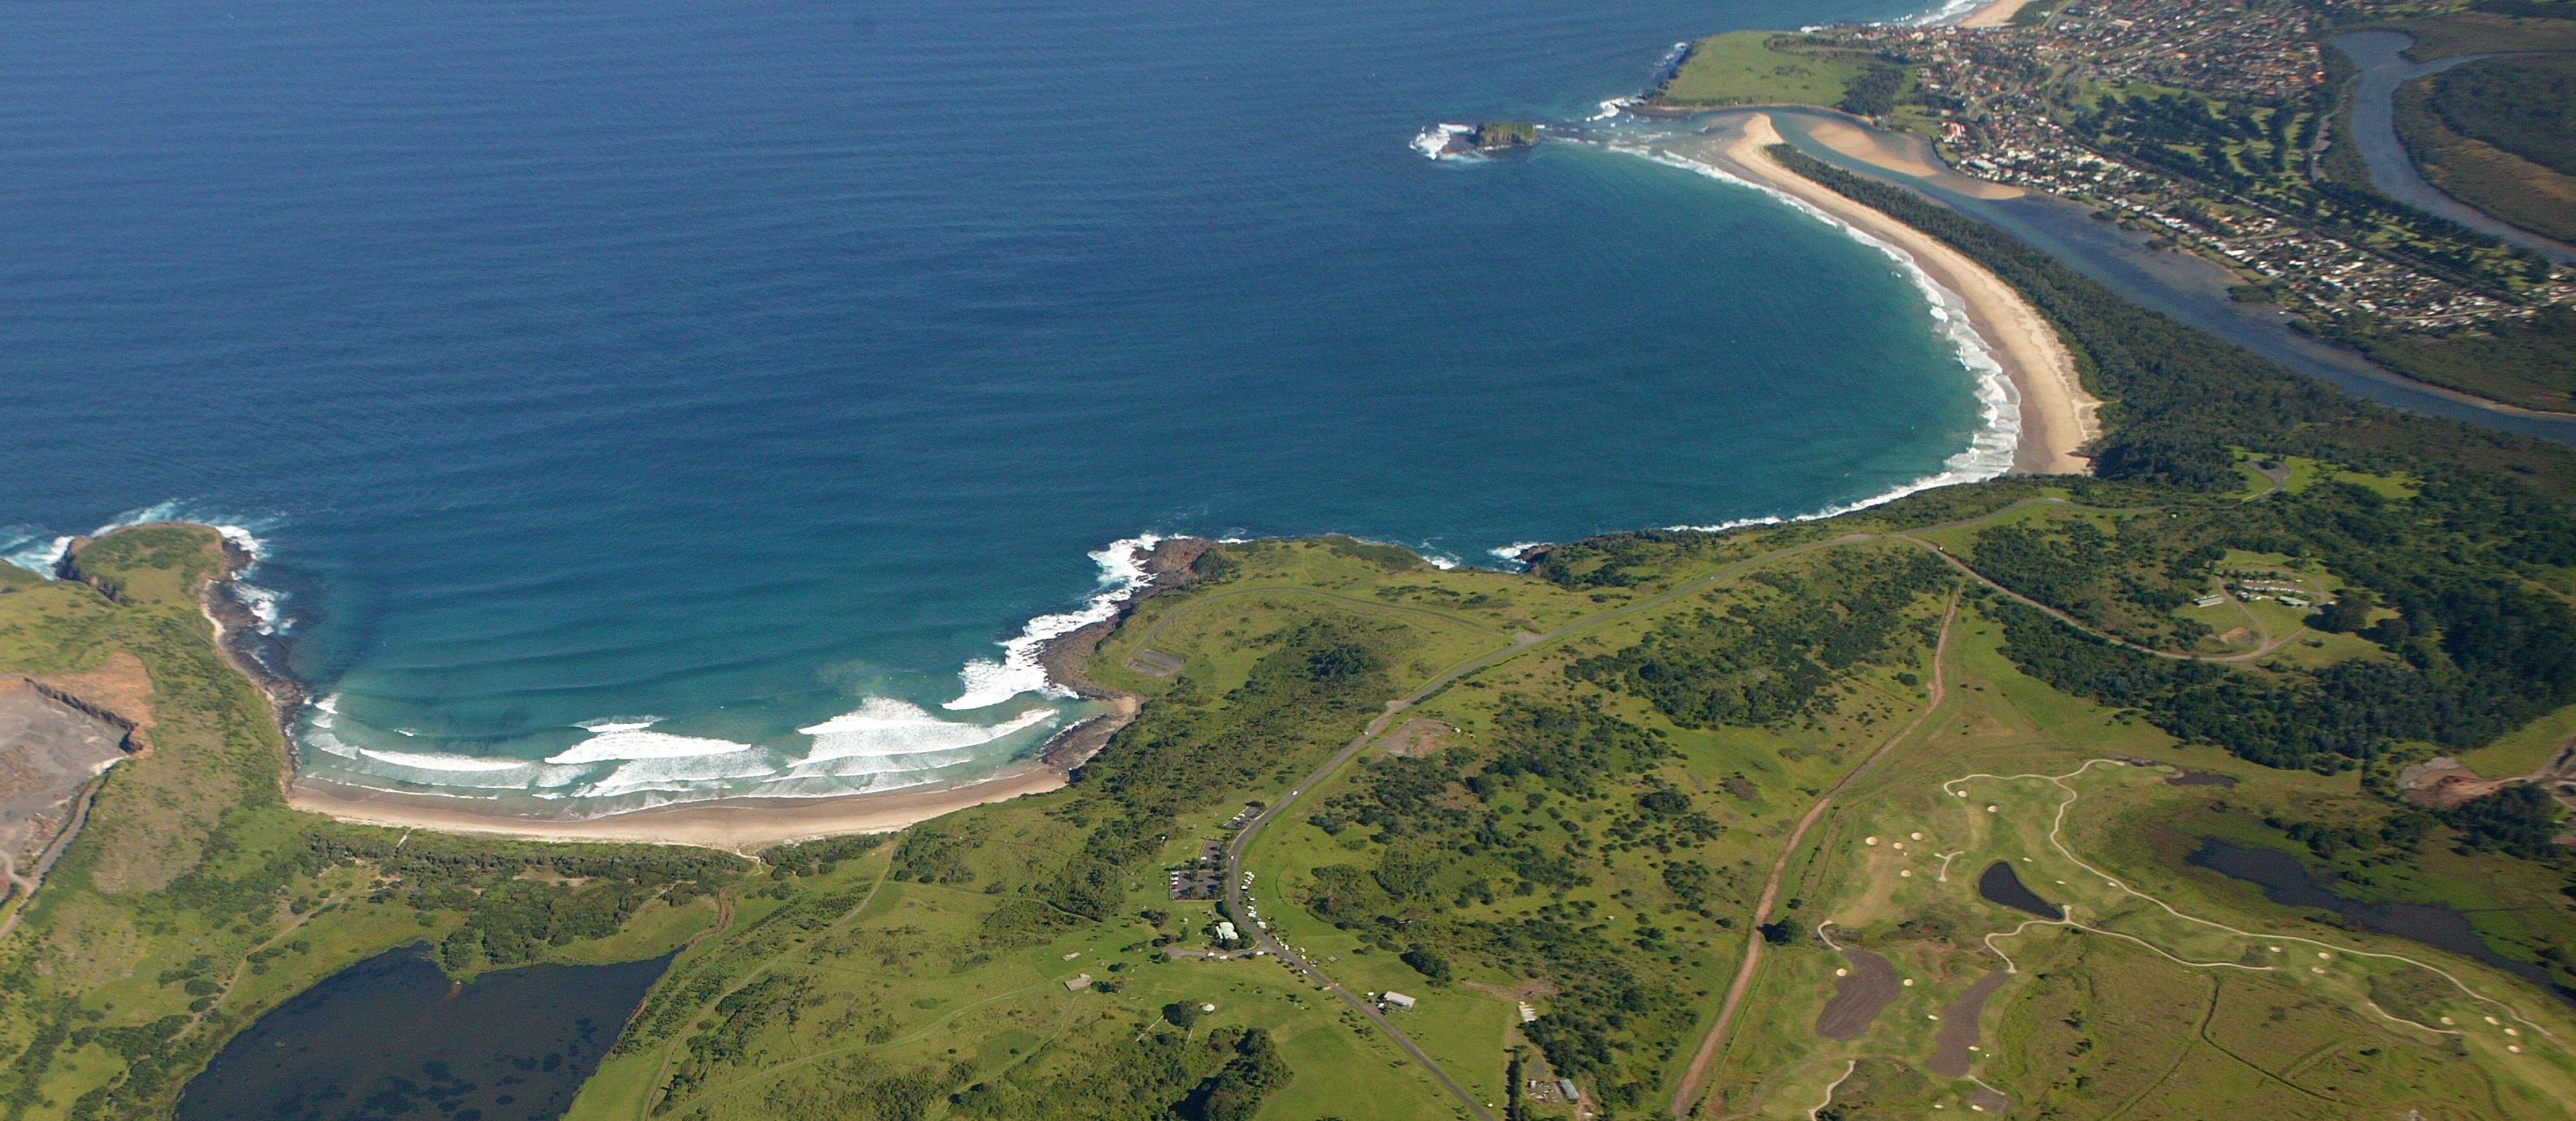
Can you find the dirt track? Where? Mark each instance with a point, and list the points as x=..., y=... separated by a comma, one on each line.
x=1695, y=1080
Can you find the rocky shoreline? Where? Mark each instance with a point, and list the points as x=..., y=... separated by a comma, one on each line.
x=1172, y=563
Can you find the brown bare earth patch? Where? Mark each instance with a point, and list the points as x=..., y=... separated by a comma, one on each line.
x=1858, y=998
x=1417, y=737
x=121, y=689
x=1950, y=1054
x=2441, y=783
x=1531, y=989
x=49, y=751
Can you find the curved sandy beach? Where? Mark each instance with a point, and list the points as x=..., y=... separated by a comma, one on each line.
x=2057, y=415
x=735, y=824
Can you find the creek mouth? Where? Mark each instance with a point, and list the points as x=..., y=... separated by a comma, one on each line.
x=2003, y=887
x=394, y=1036
x=2286, y=881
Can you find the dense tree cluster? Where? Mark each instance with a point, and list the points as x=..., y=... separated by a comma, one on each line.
x=1775, y=657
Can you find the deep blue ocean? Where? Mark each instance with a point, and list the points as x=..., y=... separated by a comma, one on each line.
x=742, y=368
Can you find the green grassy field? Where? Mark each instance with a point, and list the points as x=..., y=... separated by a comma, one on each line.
x=1759, y=68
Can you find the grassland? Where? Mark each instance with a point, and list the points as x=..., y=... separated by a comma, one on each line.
x=1562, y=825
x=2475, y=32
x=1761, y=68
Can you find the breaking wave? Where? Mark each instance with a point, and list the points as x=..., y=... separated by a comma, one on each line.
x=990, y=681
x=1434, y=141
x=623, y=764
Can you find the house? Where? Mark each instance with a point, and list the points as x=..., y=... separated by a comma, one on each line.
x=1225, y=932
x=1078, y=983
x=1565, y=1086
x=1396, y=999
x=2211, y=600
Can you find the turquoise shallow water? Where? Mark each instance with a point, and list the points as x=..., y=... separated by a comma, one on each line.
x=756, y=369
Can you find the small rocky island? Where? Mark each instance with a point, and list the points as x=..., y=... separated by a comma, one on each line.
x=1447, y=141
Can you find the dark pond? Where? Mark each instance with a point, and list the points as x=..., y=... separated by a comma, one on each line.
x=392, y=1036
x=2000, y=886
x=2286, y=881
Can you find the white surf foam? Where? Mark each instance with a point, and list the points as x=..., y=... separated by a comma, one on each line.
x=32, y=548
x=1434, y=141
x=989, y=682
x=675, y=774
x=885, y=727
x=463, y=764
x=611, y=742
x=1950, y=12
x=1512, y=552
x=1990, y=449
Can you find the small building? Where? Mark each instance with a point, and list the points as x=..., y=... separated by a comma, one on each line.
x=1225, y=932
x=1079, y=982
x=2211, y=600
x=1565, y=1086
x=1397, y=999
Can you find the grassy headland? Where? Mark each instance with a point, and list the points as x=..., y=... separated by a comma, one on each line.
x=1776, y=68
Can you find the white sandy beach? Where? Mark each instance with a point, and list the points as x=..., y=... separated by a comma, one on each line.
x=1997, y=14
x=736, y=824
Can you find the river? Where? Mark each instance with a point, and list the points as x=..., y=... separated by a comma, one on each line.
x=2384, y=67
x=2180, y=285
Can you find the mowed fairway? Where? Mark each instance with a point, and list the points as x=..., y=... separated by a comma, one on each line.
x=2166, y=995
